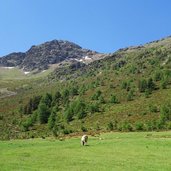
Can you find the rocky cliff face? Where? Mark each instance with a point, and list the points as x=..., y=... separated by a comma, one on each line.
x=53, y=52
x=12, y=60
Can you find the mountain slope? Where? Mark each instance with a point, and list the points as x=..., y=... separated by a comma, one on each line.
x=129, y=90
x=40, y=57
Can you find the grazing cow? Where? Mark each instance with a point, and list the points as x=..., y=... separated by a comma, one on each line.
x=84, y=139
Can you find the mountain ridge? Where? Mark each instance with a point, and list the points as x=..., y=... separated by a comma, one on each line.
x=41, y=56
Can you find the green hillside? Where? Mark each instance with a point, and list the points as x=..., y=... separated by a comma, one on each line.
x=129, y=90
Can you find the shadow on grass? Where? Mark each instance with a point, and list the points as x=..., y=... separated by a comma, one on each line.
x=86, y=145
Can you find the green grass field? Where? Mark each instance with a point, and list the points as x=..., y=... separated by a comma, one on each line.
x=115, y=151
x=17, y=74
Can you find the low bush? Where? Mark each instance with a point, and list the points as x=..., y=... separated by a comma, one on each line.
x=153, y=108
x=83, y=128
x=110, y=126
x=139, y=126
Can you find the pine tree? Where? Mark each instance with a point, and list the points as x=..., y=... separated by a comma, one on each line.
x=52, y=118
x=43, y=113
x=150, y=84
x=69, y=113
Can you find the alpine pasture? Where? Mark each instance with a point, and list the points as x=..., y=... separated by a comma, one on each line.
x=135, y=151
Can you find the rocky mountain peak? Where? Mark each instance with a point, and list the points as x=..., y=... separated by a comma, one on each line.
x=39, y=57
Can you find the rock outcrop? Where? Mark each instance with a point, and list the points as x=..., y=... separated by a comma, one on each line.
x=41, y=56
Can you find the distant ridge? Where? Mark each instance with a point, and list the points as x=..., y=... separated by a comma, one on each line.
x=41, y=56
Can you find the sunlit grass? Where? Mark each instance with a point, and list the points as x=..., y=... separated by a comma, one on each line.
x=113, y=151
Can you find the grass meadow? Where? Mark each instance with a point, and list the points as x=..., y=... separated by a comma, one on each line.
x=136, y=151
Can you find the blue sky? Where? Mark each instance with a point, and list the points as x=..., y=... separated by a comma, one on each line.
x=101, y=25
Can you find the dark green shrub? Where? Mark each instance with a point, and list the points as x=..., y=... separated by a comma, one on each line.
x=158, y=75
x=96, y=95
x=27, y=108
x=74, y=91
x=132, y=69
x=143, y=113
x=97, y=126
x=139, y=126
x=65, y=93
x=147, y=93
x=164, y=83
x=80, y=109
x=1, y=117
x=69, y=113
x=110, y=126
x=65, y=96
x=150, y=84
x=150, y=125
x=29, y=121
x=93, y=108
x=34, y=116
x=43, y=113
x=81, y=114
x=153, y=108
x=101, y=100
x=111, y=86
x=169, y=125
x=124, y=85
x=82, y=90
x=160, y=124
x=52, y=118
x=83, y=128
x=55, y=131
x=165, y=112
x=57, y=97
x=167, y=74
x=25, y=126
x=113, y=99
x=61, y=126
x=130, y=95
x=66, y=131
x=77, y=108
x=142, y=85
x=35, y=102
x=126, y=126
x=47, y=99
